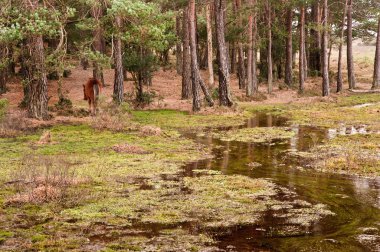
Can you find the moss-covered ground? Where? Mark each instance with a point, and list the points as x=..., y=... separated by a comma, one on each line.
x=3, y=106
x=256, y=135
x=344, y=110
x=111, y=188
x=77, y=192
x=356, y=154
x=181, y=120
x=350, y=154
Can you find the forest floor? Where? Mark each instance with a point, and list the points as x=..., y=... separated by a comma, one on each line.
x=117, y=181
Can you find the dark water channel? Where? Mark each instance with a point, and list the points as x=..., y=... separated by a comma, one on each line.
x=355, y=201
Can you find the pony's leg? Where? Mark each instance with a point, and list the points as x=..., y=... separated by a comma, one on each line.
x=89, y=106
x=96, y=104
x=84, y=92
x=93, y=108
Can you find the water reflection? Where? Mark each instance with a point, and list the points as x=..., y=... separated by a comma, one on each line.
x=356, y=201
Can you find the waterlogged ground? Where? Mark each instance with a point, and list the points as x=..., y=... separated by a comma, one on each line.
x=255, y=187
x=353, y=200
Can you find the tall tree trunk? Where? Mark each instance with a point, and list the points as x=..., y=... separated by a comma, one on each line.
x=178, y=52
x=315, y=45
x=330, y=49
x=270, y=63
x=97, y=45
x=83, y=60
x=195, y=74
x=241, y=65
x=11, y=64
x=232, y=47
x=305, y=54
x=36, y=88
x=38, y=95
x=376, y=75
x=118, y=88
x=289, y=48
x=325, y=63
x=204, y=63
x=224, y=76
x=305, y=62
x=255, y=86
x=251, y=67
x=339, y=84
x=233, y=58
x=210, y=57
x=302, y=51
x=350, y=56
x=249, y=89
x=3, y=69
x=186, y=59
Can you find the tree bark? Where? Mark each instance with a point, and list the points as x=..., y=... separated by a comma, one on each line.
x=210, y=57
x=270, y=61
x=186, y=60
x=325, y=69
x=118, y=89
x=350, y=56
x=195, y=74
x=339, y=84
x=315, y=45
x=249, y=89
x=98, y=44
x=204, y=64
x=255, y=86
x=232, y=48
x=178, y=45
x=289, y=49
x=233, y=58
x=224, y=75
x=241, y=65
x=302, y=51
x=305, y=62
x=251, y=66
x=3, y=69
x=11, y=64
x=38, y=95
x=376, y=75
x=306, y=48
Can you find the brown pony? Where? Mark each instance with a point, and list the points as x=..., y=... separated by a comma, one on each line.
x=91, y=92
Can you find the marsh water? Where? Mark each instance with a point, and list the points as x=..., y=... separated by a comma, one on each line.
x=355, y=201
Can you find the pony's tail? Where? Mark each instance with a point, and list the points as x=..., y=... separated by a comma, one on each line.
x=97, y=88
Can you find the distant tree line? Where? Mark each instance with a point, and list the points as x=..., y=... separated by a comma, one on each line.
x=260, y=41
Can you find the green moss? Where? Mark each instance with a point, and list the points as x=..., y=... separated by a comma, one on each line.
x=214, y=201
x=38, y=238
x=328, y=114
x=117, y=191
x=181, y=120
x=3, y=107
x=6, y=234
x=357, y=99
x=107, y=178
x=353, y=154
x=256, y=135
x=265, y=108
